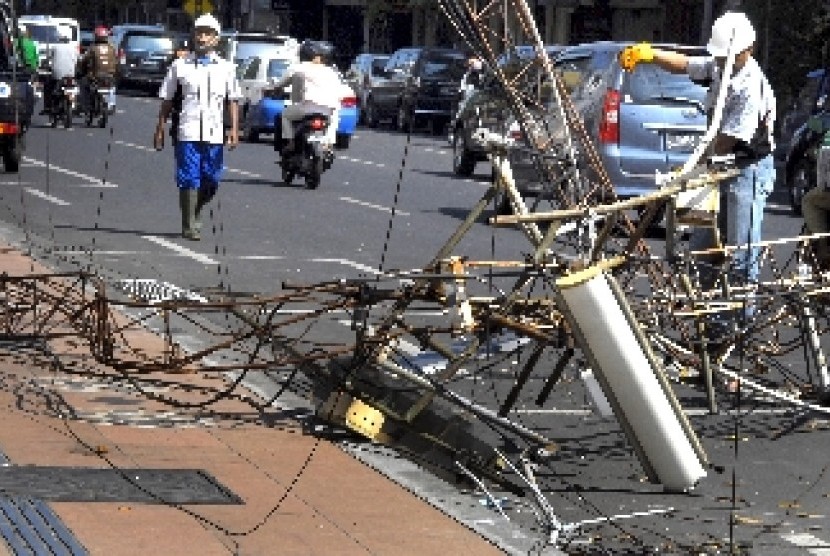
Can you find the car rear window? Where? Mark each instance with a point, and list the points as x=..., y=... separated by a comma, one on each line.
x=277, y=68
x=448, y=66
x=259, y=47
x=150, y=43
x=650, y=84
x=378, y=64
x=43, y=33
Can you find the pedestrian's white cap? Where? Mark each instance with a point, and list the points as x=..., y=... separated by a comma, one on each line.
x=731, y=27
x=207, y=20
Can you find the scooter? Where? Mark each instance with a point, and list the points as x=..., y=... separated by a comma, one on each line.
x=101, y=101
x=312, y=153
x=64, y=98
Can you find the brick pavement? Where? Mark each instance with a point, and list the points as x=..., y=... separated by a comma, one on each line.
x=302, y=495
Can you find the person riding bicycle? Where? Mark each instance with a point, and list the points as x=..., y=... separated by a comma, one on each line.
x=63, y=62
x=315, y=88
x=97, y=66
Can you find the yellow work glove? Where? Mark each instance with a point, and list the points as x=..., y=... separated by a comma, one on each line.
x=633, y=55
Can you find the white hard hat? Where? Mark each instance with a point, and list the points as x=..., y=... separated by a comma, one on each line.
x=207, y=20
x=727, y=26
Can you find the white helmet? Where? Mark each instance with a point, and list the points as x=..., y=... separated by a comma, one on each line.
x=727, y=26
x=207, y=20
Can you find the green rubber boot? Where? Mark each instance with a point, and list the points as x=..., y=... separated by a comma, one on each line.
x=188, y=199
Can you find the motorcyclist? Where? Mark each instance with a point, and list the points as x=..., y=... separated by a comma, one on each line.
x=315, y=88
x=63, y=61
x=97, y=65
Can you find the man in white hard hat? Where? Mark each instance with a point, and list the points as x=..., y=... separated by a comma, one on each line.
x=745, y=129
x=208, y=83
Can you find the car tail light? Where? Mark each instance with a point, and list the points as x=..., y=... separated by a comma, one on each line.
x=8, y=129
x=122, y=56
x=317, y=124
x=515, y=133
x=609, y=125
x=348, y=102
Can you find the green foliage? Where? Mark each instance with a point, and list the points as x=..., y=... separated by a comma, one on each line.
x=792, y=40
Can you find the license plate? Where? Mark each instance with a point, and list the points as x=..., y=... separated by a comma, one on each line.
x=682, y=141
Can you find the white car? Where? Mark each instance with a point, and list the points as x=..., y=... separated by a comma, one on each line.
x=255, y=74
x=44, y=31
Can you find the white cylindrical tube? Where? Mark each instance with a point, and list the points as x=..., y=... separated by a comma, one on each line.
x=618, y=357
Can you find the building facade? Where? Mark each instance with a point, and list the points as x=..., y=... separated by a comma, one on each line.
x=355, y=26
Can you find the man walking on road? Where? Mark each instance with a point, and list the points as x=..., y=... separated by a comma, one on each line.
x=208, y=84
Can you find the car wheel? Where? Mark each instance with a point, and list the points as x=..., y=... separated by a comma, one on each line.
x=800, y=183
x=342, y=141
x=463, y=162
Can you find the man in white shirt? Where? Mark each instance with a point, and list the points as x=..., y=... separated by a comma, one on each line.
x=746, y=131
x=208, y=83
x=315, y=88
x=748, y=117
x=63, y=60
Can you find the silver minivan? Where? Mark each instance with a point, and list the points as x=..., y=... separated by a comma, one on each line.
x=641, y=122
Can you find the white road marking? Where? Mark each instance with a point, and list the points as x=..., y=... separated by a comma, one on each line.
x=135, y=146
x=776, y=206
x=347, y=262
x=261, y=257
x=361, y=161
x=372, y=206
x=812, y=544
x=46, y=197
x=92, y=180
x=244, y=173
x=15, y=182
x=183, y=251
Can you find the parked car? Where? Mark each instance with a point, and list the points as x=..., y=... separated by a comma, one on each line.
x=239, y=46
x=430, y=92
x=486, y=108
x=44, y=31
x=796, y=139
x=263, y=116
x=117, y=31
x=811, y=99
x=365, y=71
x=256, y=74
x=383, y=97
x=143, y=59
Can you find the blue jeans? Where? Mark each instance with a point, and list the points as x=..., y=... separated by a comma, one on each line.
x=742, y=203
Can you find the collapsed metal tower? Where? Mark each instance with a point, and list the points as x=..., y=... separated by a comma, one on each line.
x=591, y=298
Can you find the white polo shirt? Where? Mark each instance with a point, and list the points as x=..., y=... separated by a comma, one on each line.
x=205, y=86
x=748, y=99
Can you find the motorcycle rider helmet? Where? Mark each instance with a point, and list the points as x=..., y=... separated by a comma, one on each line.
x=731, y=28
x=311, y=49
x=101, y=33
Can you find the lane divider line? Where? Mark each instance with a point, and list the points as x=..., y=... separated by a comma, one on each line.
x=183, y=251
x=372, y=206
x=46, y=197
x=68, y=172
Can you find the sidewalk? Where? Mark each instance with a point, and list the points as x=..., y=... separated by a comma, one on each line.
x=299, y=494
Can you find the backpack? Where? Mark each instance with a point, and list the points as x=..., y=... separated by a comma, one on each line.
x=101, y=60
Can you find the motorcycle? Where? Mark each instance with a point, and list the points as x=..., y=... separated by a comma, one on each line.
x=312, y=153
x=100, y=101
x=64, y=99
